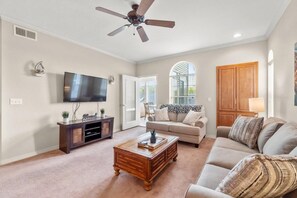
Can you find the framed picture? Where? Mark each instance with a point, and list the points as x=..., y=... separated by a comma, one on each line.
x=295, y=75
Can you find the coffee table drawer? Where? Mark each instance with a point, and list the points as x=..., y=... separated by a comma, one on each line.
x=131, y=163
x=172, y=151
x=158, y=163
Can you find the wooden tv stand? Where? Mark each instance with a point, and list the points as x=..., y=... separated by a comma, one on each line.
x=78, y=133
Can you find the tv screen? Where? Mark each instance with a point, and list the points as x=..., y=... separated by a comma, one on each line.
x=82, y=88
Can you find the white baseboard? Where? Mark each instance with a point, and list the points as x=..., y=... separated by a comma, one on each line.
x=31, y=154
x=116, y=130
x=20, y=157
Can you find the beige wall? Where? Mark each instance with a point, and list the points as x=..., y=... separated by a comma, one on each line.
x=206, y=63
x=31, y=128
x=282, y=41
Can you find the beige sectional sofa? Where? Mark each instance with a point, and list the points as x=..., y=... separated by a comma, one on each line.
x=174, y=126
x=225, y=154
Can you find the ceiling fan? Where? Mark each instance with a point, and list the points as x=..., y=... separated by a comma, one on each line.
x=136, y=17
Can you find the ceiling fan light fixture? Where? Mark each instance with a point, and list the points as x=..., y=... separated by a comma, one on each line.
x=136, y=17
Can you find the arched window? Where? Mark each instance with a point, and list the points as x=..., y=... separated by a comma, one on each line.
x=183, y=83
x=270, y=83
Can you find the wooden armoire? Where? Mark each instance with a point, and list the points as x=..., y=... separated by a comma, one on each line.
x=235, y=85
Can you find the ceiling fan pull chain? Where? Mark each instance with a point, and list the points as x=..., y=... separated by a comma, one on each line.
x=134, y=28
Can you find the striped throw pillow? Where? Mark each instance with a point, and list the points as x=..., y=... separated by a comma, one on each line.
x=246, y=130
x=260, y=176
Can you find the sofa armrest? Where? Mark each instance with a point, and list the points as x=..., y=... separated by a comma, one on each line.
x=201, y=122
x=196, y=191
x=151, y=118
x=223, y=131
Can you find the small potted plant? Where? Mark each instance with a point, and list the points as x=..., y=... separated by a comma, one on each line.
x=102, y=111
x=65, y=115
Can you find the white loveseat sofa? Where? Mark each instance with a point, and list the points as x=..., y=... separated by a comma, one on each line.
x=175, y=126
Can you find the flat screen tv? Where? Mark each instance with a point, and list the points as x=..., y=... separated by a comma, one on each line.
x=82, y=88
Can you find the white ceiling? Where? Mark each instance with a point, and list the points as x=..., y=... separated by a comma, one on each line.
x=199, y=23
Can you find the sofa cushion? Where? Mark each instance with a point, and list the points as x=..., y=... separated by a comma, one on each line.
x=181, y=117
x=178, y=127
x=158, y=125
x=225, y=158
x=172, y=116
x=246, y=130
x=211, y=176
x=266, y=133
x=261, y=176
x=161, y=114
x=192, y=117
x=273, y=120
x=195, y=191
x=223, y=131
x=283, y=141
x=231, y=144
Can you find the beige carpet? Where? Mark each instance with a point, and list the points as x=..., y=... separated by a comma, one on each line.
x=87, y=172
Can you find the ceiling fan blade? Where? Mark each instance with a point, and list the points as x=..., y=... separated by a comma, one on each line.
x=144, y=6
x=168, y=24
x=111, y=12
x=142, y=34
x=118, y=30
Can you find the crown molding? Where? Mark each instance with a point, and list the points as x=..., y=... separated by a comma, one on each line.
x=277, y=18
x=38, y=29
x=206, y=49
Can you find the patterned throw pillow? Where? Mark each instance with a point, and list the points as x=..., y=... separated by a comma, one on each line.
x=192, y=117
x=260, y=176
x=161, y=114
x=246, y=130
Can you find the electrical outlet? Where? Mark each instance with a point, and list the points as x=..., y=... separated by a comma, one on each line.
x=15, y=101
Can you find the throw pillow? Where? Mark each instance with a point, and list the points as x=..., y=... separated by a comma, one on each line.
x=181, y=117
x=192, y=117
x=161, y=114
x=294, y=152
x=266, y=133
x=246, y=130
x=283, y=141
x=260, y=175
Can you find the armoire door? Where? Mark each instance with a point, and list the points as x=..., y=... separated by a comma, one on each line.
x=247, y=85
x=235, y=85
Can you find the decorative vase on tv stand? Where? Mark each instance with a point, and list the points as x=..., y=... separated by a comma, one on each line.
x=65, y=115
x=102, y=111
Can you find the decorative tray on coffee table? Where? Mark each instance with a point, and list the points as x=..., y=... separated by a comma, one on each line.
x=151, y=146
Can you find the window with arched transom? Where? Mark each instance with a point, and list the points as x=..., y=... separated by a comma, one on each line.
x=183, y=83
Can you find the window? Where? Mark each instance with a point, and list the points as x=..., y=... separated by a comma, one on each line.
x=147, y=90
x=183, y=83
x=270, y=84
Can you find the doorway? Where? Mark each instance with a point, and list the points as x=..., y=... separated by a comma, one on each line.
x=136, y=92
x=147, y=97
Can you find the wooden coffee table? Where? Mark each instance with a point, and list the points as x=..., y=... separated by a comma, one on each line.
x=144, y=163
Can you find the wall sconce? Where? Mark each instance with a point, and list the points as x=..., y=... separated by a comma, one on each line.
x=111, y=80
x=39, y=69
x=256, y=105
